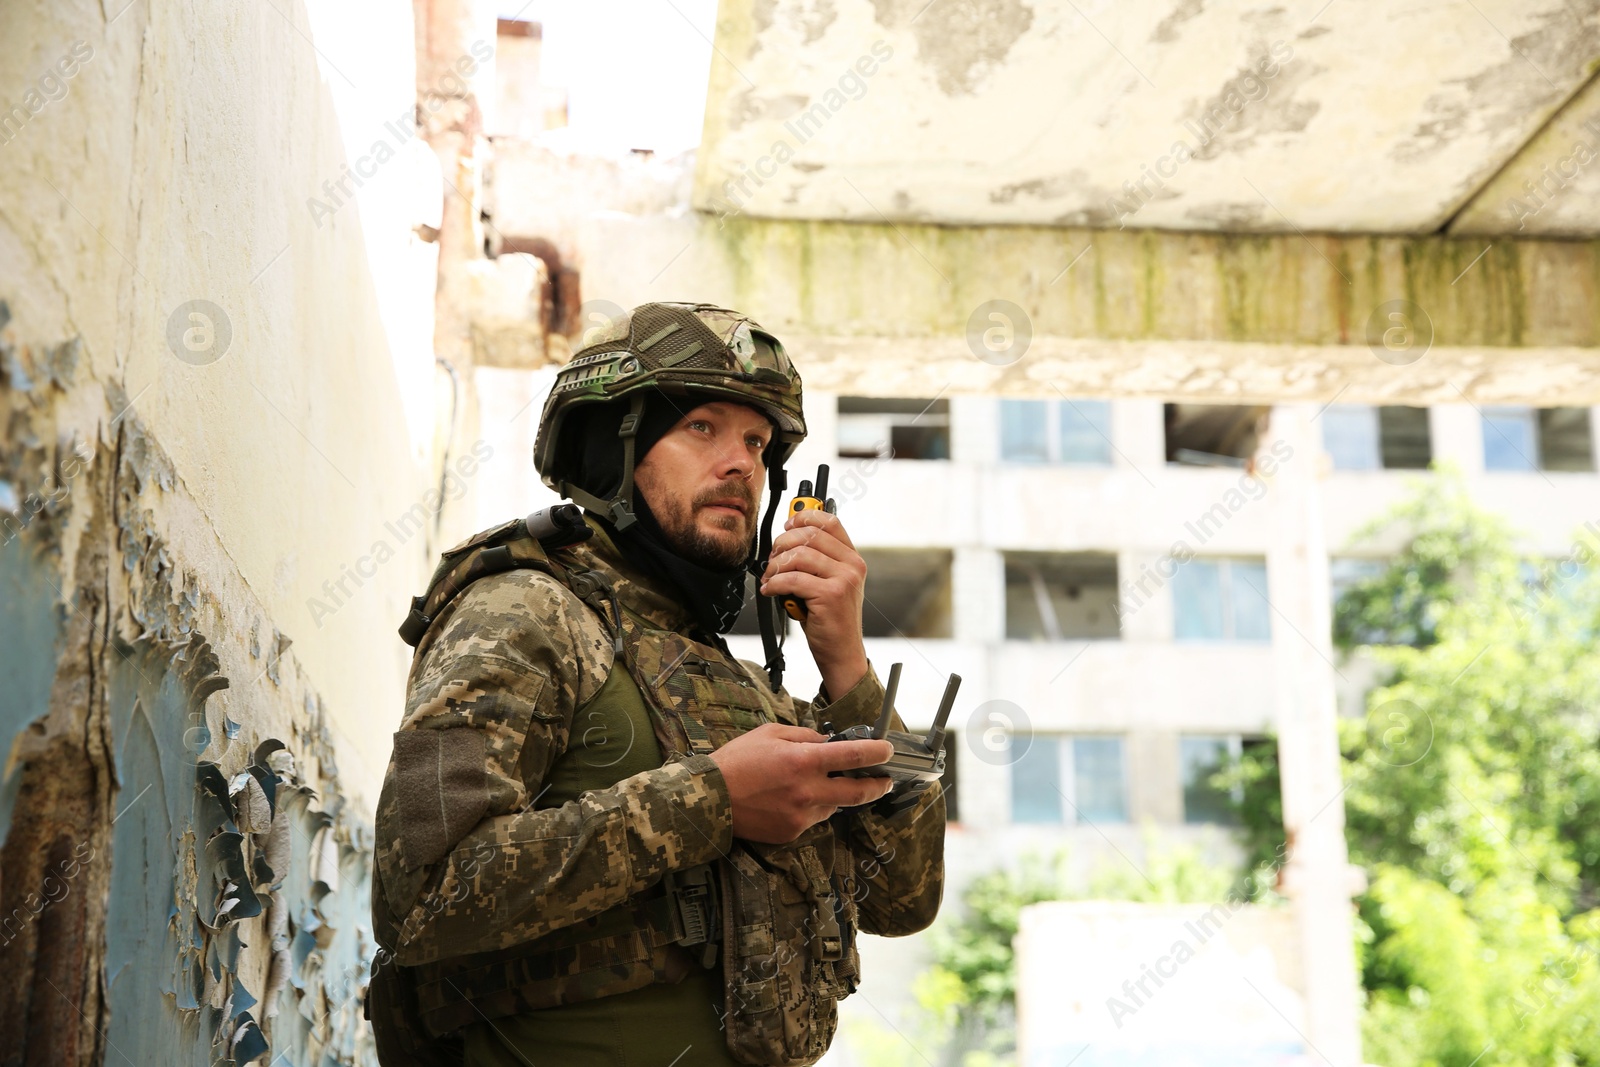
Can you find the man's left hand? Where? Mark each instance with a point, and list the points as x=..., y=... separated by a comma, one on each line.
x=815, y=560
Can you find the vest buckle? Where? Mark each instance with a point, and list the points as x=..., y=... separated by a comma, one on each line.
x=694, y=898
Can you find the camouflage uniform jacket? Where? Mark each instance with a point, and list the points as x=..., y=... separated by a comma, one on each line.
x=474, y=873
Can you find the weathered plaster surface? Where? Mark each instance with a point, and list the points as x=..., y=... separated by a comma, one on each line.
x=184, y=878
x=1356, y=116
x=181, y=164
x=210, y=547
x=1552, y=187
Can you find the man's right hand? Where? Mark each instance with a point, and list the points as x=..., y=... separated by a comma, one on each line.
x=778, y=778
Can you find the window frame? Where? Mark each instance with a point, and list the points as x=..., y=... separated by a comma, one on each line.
x=1528, y=414
x=1068, y=803
x=1230, y=618
x=1054, y=411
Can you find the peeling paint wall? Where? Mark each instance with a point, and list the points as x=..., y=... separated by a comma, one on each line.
x=219, y=485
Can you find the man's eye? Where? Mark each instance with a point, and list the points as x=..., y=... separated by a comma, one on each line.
x=755, y=442
x=700, y=426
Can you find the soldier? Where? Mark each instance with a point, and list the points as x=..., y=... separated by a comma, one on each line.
x=602, y=839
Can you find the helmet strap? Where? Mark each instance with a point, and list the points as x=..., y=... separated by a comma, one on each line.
x=620, y=507
x=622, y=515
x=767, y=608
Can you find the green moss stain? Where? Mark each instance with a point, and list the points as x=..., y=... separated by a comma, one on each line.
x=925, y=280
x=1150, y=248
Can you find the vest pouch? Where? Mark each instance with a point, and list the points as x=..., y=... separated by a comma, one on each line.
x=789, y=950
x=704, y=700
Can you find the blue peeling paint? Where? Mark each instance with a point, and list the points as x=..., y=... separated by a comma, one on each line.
x=33, y=623
x=174, y=811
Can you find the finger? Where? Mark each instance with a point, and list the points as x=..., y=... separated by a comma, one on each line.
x=848, y=755
x=851, y=792
x=822, y=520
x=818, y=539
x=785, y=732
x=807, y=586
x=808, y=561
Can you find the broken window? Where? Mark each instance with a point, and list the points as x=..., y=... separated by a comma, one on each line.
x=1537, y=439
x=1213, y=435
x=1061, y=778
x=1344, y=574
x=907, y=594
x=1405, y=442
x=1364, y=437
x=1056, y=431
x=1221, y=600
x=1199, y=759
x=889, y=428
x=1061, y=596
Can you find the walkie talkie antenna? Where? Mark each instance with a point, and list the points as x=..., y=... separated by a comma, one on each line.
x=822, y=482
x=880, y=731
x=936, y=732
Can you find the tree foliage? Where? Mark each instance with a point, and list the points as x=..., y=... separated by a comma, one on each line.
x=1472, y=800
x=1473, y=790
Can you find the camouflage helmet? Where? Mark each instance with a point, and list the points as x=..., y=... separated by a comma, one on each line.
x=697, y=351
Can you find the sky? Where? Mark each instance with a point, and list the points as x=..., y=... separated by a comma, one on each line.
x=635, y=70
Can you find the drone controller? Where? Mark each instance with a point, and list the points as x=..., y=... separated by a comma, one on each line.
x=915, y=759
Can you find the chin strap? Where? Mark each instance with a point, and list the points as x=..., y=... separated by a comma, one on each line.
x=767, y=609
x=620, y=507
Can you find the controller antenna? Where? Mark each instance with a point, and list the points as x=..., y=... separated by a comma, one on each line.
x=936, y=732
x=880, y=731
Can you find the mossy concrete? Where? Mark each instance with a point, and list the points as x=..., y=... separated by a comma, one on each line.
x=1316, y=289
x=886, y=308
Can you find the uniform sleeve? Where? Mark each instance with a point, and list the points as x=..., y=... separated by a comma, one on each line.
x=467, y=861
x=898, y=843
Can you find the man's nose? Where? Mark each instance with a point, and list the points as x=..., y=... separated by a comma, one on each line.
x=734, y=465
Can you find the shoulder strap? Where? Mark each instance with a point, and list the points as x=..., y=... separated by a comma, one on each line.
x=524, y=543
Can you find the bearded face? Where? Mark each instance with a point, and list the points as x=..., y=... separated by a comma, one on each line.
x=703, y=480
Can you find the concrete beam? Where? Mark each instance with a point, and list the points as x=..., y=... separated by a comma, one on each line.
x=906, y=310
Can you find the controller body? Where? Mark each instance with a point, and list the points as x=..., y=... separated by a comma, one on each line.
x=915, y=759
x=911, y=762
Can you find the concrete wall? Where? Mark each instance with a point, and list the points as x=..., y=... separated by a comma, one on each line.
x=216, y=487
x=1114, y=983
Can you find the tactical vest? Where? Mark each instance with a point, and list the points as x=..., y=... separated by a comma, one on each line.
x=781, y=918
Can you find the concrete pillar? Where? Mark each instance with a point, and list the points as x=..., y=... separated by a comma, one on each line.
x=1317, y=874
x=975, y=429
x=978, y=578
x=1143, y=599
x=455, y=73
x=1154, y=777
x=1139, y=434
x=1457, y=431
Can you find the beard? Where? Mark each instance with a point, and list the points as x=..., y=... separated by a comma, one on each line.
x=679, y=521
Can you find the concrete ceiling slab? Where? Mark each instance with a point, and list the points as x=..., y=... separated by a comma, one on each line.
x=1552, y=187
x=1348, y=116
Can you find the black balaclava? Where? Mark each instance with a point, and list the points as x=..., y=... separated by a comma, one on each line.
x=714, y=597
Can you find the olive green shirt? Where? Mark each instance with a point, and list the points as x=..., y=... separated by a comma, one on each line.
x=657, y=1026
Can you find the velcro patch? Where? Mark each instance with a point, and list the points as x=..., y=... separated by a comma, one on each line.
x=441, y=787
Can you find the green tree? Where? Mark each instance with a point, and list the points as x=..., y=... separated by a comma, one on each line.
x=1473, y=790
